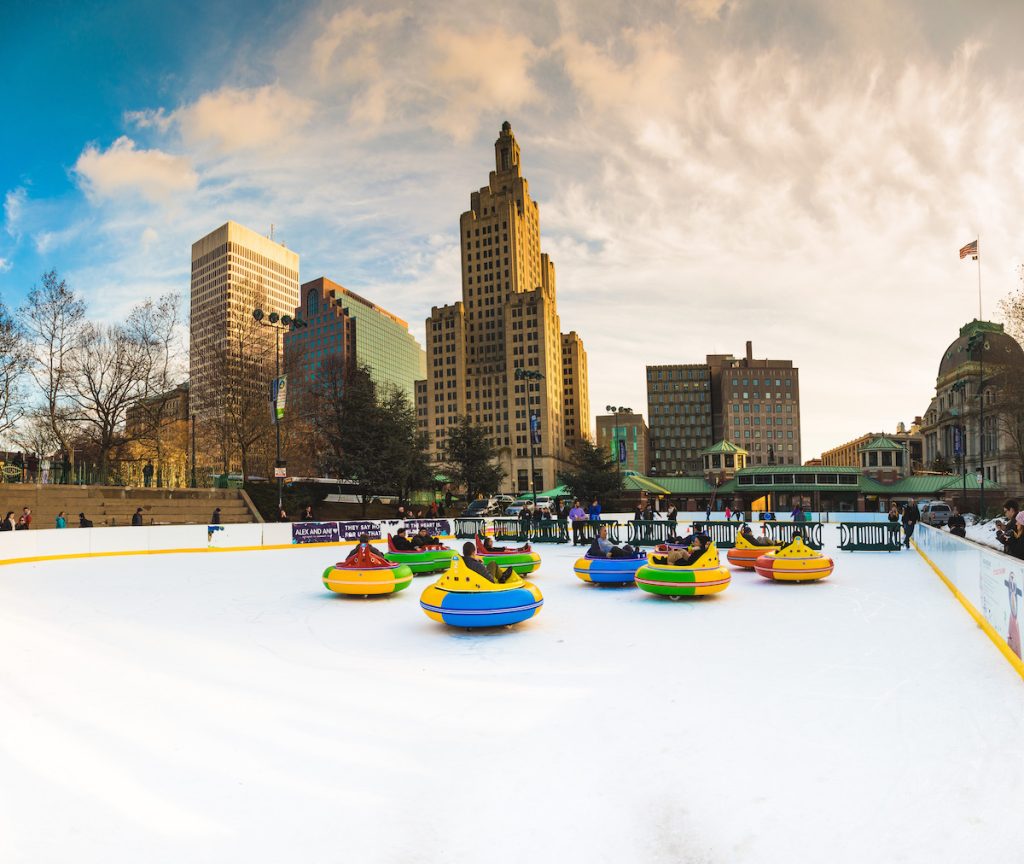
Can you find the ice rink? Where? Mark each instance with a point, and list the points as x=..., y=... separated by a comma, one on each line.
x=224, y=707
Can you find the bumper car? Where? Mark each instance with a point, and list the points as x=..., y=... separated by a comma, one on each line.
x=609, y=571
x=794, y=562
x=521, y=559
x=426, y=559
x=367, y=572
x=706, y=575
x=464, y=598
x=745, y=554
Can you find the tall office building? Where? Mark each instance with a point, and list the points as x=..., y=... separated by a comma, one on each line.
x=506, y=321
x=344, y=324
x=235, y=270
x=757, y=405
x=750, y=402
x=575, y=389
x=679, y=407
x=624, y=437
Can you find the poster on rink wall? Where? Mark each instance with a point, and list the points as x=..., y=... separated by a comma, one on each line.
x=352, y=530
x=315, y=532
x=1002, y=584
x=435, y=527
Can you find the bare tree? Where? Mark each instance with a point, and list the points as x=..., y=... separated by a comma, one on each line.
x=52, y=318
x=13, y=363
x=155, y=326
x=236, y=410
x=107, y=372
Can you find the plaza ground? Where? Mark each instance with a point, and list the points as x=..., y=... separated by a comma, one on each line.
x=225, y=707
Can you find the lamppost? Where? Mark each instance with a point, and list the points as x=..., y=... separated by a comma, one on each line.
x=192, y=462
x=278, y=323
x=977, y=342
x=529, y=376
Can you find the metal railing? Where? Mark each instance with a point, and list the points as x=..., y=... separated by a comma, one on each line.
x=869, y=536
x=646, y=532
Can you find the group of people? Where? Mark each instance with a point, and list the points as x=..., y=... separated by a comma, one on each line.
x=420, y=540
x=24, y=521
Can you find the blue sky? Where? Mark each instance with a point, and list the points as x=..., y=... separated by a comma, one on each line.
x=708, y=171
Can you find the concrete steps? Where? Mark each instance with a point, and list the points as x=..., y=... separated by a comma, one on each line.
x=112, y=505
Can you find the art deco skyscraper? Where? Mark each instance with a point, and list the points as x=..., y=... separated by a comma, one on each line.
x=507, y=320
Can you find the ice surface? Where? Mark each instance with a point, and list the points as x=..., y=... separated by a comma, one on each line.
x=224, y=707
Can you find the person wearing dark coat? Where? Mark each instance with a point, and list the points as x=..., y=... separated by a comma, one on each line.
x=215, y=517
x=7, y=524
x=957, y=525
x=401, y=542
x=489, y=572
x=364, y=543
x=83, y=522
x=137, y=517
x=147, y=474
x=911, y=516
x=422, y=539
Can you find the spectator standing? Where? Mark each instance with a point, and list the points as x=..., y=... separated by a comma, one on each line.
x=147, y=474
x=307, y=514
x=594, y=511
x=137, y=517
x=215, y=518
x=1004, y=534
x=282, y=515
x=7, y=524
x=577, y=515
x=911, y=516
x=25, y=520
x=61, y=521
x=524, y=521
x=957, y=525
x=83, y=522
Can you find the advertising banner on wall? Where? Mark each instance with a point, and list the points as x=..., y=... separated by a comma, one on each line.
x=315, y=532
x=435, y=527
x=1002, y=584
x=352, y=530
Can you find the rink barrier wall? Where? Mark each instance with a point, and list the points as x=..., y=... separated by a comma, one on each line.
x=987, y=583
x=51, y=544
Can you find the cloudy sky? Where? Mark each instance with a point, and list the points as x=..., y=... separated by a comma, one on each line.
x=800, y=173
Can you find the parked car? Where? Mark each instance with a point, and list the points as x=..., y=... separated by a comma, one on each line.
x=516, y=507
x=482, y=507
x=935, y=513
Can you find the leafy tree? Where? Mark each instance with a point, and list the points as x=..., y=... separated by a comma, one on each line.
x=593, y=473
x=470, y=460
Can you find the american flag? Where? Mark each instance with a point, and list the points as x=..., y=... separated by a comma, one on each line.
x=970, y=249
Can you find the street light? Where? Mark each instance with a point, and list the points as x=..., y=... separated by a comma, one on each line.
x=529, y=376
x=278, y=323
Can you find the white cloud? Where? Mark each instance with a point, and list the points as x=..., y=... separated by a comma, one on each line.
x=704, y=10
x=14, y=207
x=5, y=265
x=481, y=72
x=153, y=174
x=232, y=119
x=798, y=179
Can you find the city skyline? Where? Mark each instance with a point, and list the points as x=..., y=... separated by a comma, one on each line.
x=809, y=187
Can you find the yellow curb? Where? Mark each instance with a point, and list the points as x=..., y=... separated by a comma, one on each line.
x=979, y=619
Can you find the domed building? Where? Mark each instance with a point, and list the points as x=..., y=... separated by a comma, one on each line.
x=963, y=434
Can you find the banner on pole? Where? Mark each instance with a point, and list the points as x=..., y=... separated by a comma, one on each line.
x=278, y=395
x=622, y=451
x=534, y=428
x=958, y=442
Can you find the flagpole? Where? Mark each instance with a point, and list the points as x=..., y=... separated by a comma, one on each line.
x=977, y=248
